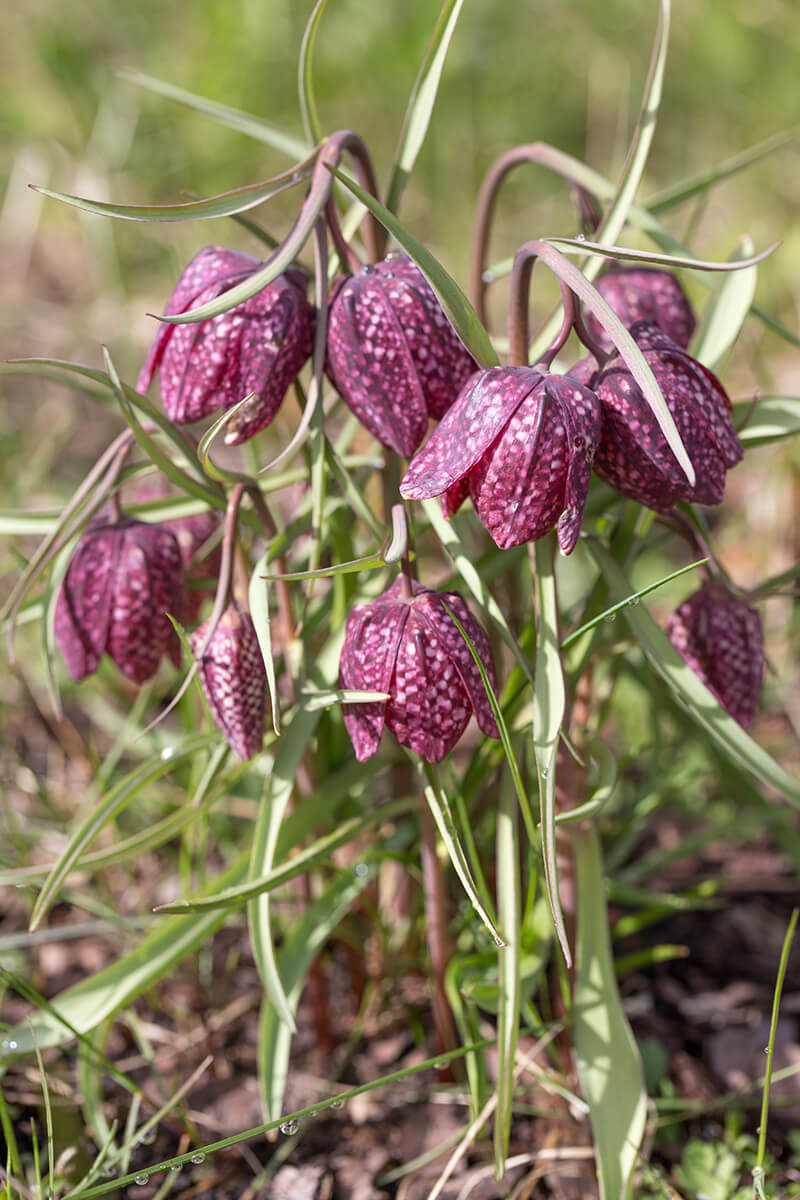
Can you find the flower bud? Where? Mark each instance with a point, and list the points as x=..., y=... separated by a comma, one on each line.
x=259, y=346
x=122, y=580
x=234, y=680
x=644, y=294
x=719, y=636
x=410, y=648
x=393, y=356
x=521, y=443
x=633, y=455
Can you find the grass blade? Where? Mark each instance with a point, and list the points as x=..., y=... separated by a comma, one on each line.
x=726, y=311
x=422, y=100
x=308, y=106
x=608, y=1059
x=109, y=807
x=227, y=204
x=233, y=118
x=549, y=705
x=509, y=969
x=769, y=419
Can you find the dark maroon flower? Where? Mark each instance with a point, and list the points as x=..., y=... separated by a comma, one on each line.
x=123, y=579
x=633, y=455
x=644, y=294
x=234, y=680
x=410, y=648
x=392, y=354
x=719, y=636
x=521, y=443
x=260, y=346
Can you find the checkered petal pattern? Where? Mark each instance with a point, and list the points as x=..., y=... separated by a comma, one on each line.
x=410, y=648
x=234, y=680
x=392, y=354
x=633, y=455
x=719, y=636
x=644, y=294
x=524, y=443
x=121, y=582
x=260, y=346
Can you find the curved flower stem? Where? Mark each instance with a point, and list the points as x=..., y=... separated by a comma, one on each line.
x=322, y=182
x=518, y=330
x=691, y=532
x=346, y=252
x=537, y=153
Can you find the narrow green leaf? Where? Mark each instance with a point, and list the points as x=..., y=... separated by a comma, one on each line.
x=295, y=957
x=323, y=847
x=421, y=101
x=370, y=562
x=89, y=1002
x=549, y=704
x=220, y=474
x=608, y=1060
x=671, y=261
x=227, y=204
x=305, y=84
x=627, y=347
x=314, y=700
x=109, y=807
x=509, y=969
x=457, y=308
x=725, y=313
x=258, y=596
x=701, y=705
x=676, y=193
x=615, y=218
x=442, y=814
x=233, y=118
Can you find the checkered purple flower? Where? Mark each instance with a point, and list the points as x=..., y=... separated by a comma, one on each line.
x=234, y=680
x=410, y=648
x=644, y=294
x=392, y=354
x=521, y=444
x=633, y=455
x=259, y=346
x=719, y=636
x=122, y=580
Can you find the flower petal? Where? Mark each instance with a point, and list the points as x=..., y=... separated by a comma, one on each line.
x=431, y=608
x=234, y=680
x=84, y=604
x=484, y=407
x=368, y=660
x=582, y=414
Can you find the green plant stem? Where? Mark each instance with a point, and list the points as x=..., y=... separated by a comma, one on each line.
x=436, y=924
x=758, y=1170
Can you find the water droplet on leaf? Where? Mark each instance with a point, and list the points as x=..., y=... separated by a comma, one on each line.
x=290, y=1127
x=141, y=1180
x=197, y=1159
x=337, y=1104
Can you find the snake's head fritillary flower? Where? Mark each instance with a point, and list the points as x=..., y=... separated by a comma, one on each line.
x=392, y=354
x=234, y=680
x=122, y=580
x=521, y=444
x=633, y=455
x=644, y=294
x=409, y=647
x=719, y=636
x=259, y=346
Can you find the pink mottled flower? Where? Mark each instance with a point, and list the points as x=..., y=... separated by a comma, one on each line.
x=234, y=680
x=633, y=455
x=392, y=354
x=123, y=579
x=644, y=294
x=410, y=648
x=259, y=346
x=521, y=443
x=719, y=636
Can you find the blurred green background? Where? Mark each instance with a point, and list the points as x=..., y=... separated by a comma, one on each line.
x=570, y=74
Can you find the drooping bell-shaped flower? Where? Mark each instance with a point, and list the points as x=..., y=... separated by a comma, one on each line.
x=521, y=444
x=409, y=647
x=644, y=294
x=122, y=580
x=392, y=354
x=234, y=680
x=719, y=636
x=259, y=346
x=633, y=455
